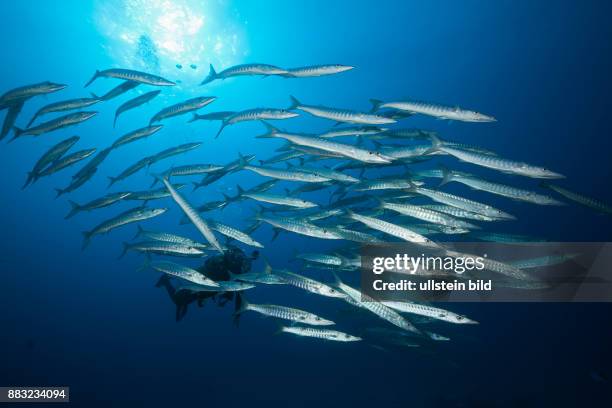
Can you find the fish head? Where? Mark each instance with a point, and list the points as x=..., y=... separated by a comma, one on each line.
x=347, y=337
x=331, y=292
x=473, y=116
x=316, y=321
x=53, y=87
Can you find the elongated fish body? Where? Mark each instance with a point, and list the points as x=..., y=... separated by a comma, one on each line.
x=492, y=265
x=495, y=162
x=66, y=161
x=285, y=313
x=256, y=114
x=501, y=189
x=392, y=183
x=353, y=131
x=101, y=202
x=93, y=163
x=118, y=90
x=265, y=277
x=316, y=70
x=464, y=203
x=329, y=173
x=309, y=285
x=354, y=152
x=341, y=115
x=134, y=168
x=290, y=175
x=63, y=106
x=132, y=215
x=407, y=152
x=183, y=272
x=355, y=236
x=131, y=75
x=193, y=216
x=221, y=115
x=386, y=313
x=280, y=200
x=428, y=311
x=504, y=238
x=324, y=259
x=402, y=134
x=168, y=237
x=233, y=233
x=242, y=70
x=438, y=111
x=580, y=199
x=182, y=108
x=136, y=135
x=393, y=229
x=427, y=215
x=459, y=212
x=542, y=261
x=173, y=151
x=50, y=156
x=282, y=157
x=323, y=334
x=224, y=286
x=134, y=103
x=300, y=227
x=163, y=248
x=155, y=194
x=10, y=118
x=25, y=92
x=320, y=215
x=55, y=124
x=189, y=170
x=76, y=182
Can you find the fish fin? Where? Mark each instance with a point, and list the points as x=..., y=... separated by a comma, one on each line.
x=447, y=175
x=196, y=185
x=271, y=131
x=126, y=246
x=74, y=209
x=375, y=105
x=115, y=120
x=194, y=117
x=30, y=179
x=32, y=120
x=240, y=190
x=145, y=264
x=139, y=232
x=227, y=198
x=242, y=161
x=212, y=75
x=223, y=124
x=93, y=95
x=294, y=103
x=436, y=144
x=276, y=232
x=93, y=78
x=244, y=304
x=59, y=192
x=86, y=239
x=267, y=267
x=17, y=132
x=112, y=180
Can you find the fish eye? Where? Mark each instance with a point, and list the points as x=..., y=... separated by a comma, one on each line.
x=459, y=317
x=317, y=319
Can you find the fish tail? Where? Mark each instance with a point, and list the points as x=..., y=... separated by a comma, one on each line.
x=271, y=131
x=194, y=117
x=244, y=305
x=242, y=161
x=240, y=190
x=74, y=208
x=447, y=175
x=115, y=120
x=294, y=103
x=138, y=232
x=196, y=185
x=112, y=180
x=32, y=120
x=212, y=75
x=223, y=124
x=93, y=78
x=93, y=95
x=59, y=192
x=86, y=239
x=375, y=105
x=29, y=180
x=126, y=247
x=18, y=132
x=145, y=264
x=436, y=144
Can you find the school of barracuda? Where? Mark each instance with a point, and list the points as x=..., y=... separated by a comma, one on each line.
x=360, y=210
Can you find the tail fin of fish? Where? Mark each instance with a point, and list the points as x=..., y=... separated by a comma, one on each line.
x=59, y=192
x=271, y=131
x=93, y=78
x=111, y=181
x=17, y=132
x=294, y=103
x=194, y=117
x=375, y=105
x=32, y=120
x=74, y=209
x=244, y=304
x=145, y=264
x=115, y=120
x=223, y=124
x=126, y=247
x=212, y=75
x=93, y=95
x=447, y=175
x=86, y=239
x=139, y=232
x=31, y=178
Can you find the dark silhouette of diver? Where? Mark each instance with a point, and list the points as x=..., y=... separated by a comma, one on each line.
x=217, y=268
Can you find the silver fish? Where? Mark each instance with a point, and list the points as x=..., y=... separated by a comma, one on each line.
x=428, y=311
x=134, y=168
x=49, y=157
x=340, y=115
x=299, y=227
x=132, y=215
x=224, y=286
x=62, y=106
x=353, y=131
x=193, y=216
x=324, y=334
x=183, y=272
x=101, y=202
x=580, y=199
x=309, y=285
x=25, y=92
x=279, y=199
x=11, y=116
x=283, y=312
x=162, y=248
x=182, y=108
x=168, y=237
x=134, y=103
x=116, y=91
x=136, y=135
x=152, y=194
x=211, y=116
x=256, y=114
x=437, y=111
x=54, y=124
x=131, y=75
x=76, y=182
x=316, y=70
x=426, y=214
x=66, y=161
x=242, y=70
x=233, y=233
x=290, y=175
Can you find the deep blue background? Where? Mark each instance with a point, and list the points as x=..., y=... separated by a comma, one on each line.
x=86, y=320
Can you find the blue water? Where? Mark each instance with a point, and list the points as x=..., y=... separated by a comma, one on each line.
x=92, y=322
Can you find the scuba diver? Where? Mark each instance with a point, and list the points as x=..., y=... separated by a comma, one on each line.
x=217, y=268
